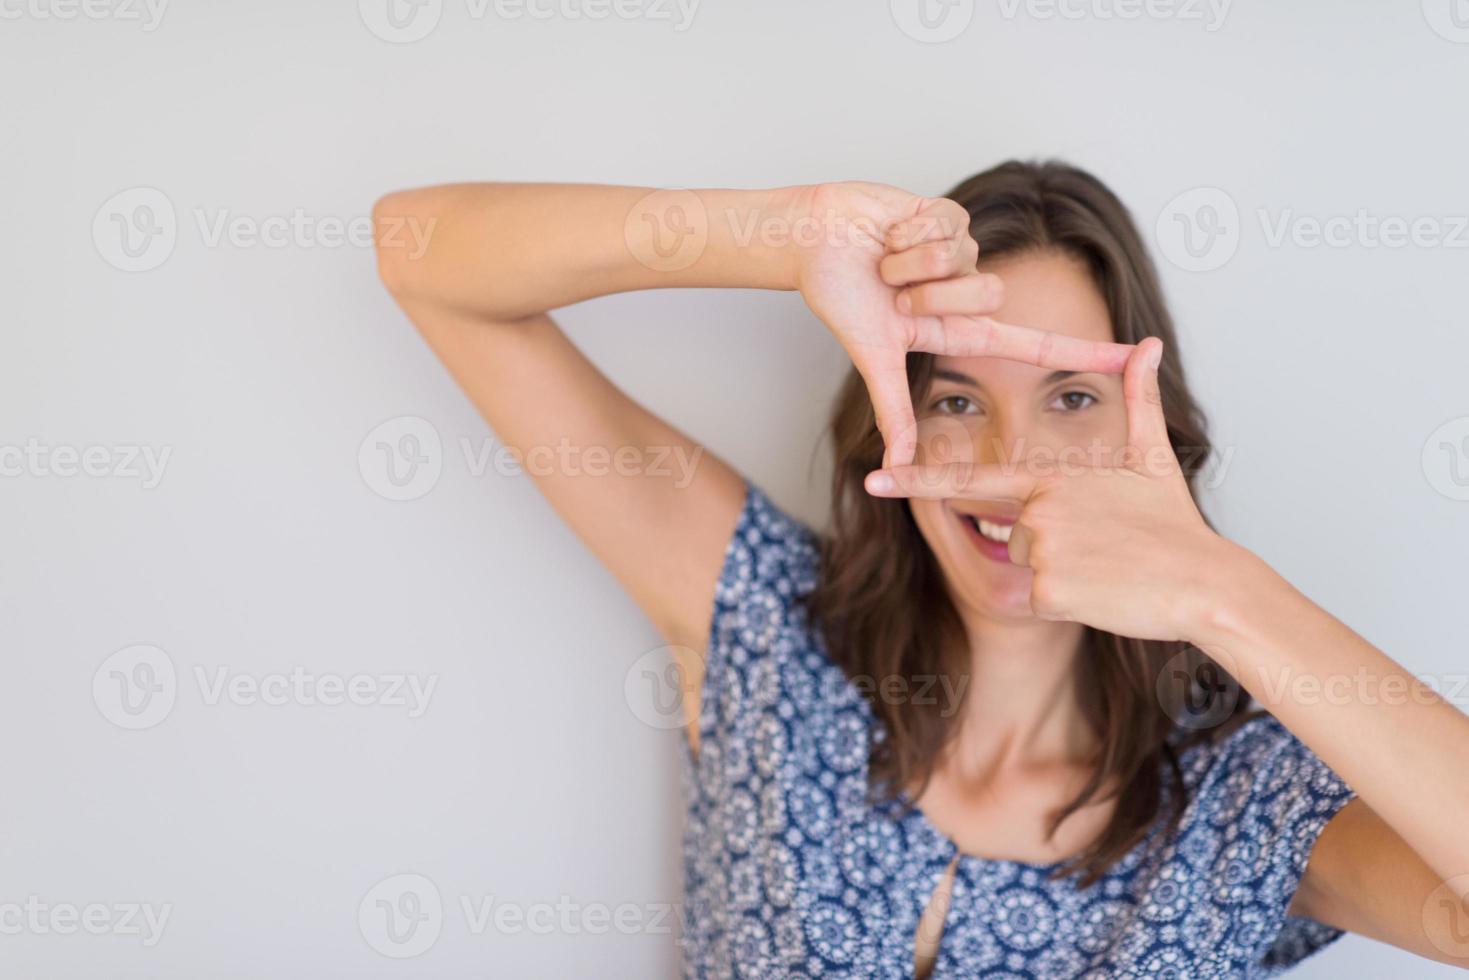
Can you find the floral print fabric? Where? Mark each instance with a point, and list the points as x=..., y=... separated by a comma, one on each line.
x=791, y=869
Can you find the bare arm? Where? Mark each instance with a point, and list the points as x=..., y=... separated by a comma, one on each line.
x=499, y=256
x=1364, y=878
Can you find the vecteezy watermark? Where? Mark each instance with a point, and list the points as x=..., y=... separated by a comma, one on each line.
x=1200, y=230
x=401, y=916
x=135, y=688
x=303, y=230
x=404, y=915
x=1446, y=459
x=1363, y=229
x=407, y=21
x=1361, y=686
x=137, y=230
x=669, y=230
x=138, y=686
x=932, y=21
x=37, y=917
x=568, y=917
x=147, y=13
x=1449, y=19
x=1210, y=13
x=657, y=687
x=36, y=459
x=1446, y=918
x=403, y=458
x=1198, y=690
x=928, y=690
x=945, y=441
x=299, y=686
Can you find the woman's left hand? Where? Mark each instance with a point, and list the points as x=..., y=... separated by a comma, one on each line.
x=1120, y=547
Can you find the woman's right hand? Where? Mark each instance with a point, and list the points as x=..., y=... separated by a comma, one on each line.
x=891, y=272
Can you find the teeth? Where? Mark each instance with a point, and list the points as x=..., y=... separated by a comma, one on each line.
x=995, y=532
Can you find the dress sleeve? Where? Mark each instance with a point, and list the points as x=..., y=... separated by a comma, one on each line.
x=1268, y=798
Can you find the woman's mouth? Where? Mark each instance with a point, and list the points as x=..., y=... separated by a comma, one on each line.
x=991, y=535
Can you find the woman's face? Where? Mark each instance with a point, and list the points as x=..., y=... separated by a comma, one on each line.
x=994, y=411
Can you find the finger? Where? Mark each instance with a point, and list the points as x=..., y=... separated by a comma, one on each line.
x=1020, y=541
x=937, y=220
x=931, y=260
x=1147, y=430
x=969, y=481
x=886, y=376
x=981, y=336
x=976, y=294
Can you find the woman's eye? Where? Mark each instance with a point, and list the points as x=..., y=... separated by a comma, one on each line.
x=1074, y=401
x=956, y=405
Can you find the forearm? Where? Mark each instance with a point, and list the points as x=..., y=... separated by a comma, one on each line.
x=1391, y=737
x=508, y=251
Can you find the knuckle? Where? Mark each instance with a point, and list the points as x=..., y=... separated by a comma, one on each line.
x=936, y=260
x=1043, y=597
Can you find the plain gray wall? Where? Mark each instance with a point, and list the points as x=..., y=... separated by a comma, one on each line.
x=267, y=543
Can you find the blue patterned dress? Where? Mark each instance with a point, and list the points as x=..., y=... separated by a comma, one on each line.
x=791, y=871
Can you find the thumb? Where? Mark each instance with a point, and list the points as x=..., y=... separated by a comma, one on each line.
x=1147, y=430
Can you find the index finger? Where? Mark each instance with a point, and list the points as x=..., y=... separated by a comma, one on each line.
x=970, y=481
x=961, y=335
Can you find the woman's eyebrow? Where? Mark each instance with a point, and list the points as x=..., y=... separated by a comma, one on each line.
x=959, y=377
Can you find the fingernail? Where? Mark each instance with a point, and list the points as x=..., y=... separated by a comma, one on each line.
x=905, y=302
x=1156, y=357
x=879, y=483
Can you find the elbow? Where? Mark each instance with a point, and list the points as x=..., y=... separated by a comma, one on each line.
x=401, y=233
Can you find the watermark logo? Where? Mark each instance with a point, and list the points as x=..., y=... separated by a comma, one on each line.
x=401, y=916
x=1363, y=229
x=668, y=230
x=401, y=21
x=136, y=230
x=402, y=459
x=406, y=21
x=657, y=689
x=1446, y=919
x=1446, y=459
x=932, y=21
x=136, y=687
x=1448, y=18
x=1199, y=230
x=1198, y=691
x=1211, y=13
x=299, y=686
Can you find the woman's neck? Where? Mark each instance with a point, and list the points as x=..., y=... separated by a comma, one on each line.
x=1021, y=704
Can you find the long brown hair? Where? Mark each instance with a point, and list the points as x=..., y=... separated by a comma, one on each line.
x=881, y=599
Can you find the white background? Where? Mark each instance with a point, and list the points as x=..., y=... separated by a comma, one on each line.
x=262, y=370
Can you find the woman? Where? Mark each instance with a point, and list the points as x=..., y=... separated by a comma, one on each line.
x=971, y=731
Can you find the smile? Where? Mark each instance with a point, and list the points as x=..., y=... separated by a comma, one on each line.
x=991, y=535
